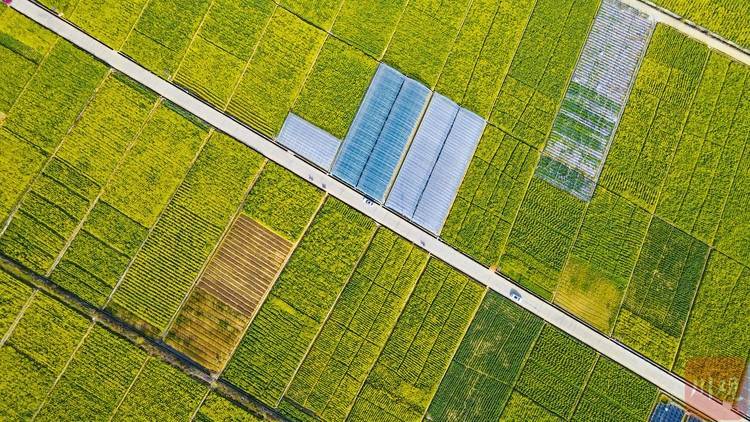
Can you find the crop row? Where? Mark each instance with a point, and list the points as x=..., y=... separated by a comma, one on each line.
x=330, y=377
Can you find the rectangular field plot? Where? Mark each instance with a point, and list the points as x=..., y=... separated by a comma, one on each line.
x=300, y=301
x=109, y=21
x=335, y=87
x=380, y=132
x=730, y=23
x=221, y=48
x=309, y=141
x=130, y=205
x=160, y=392
x=163, y=32
x=276, y=72
x=95, y=380
x=542, y=236
x=242, y=270
x=733, y=236
x=20, y=162
x=217, y=408
x=23, y=46
x=435, y=163
x=555, y=372
x=583, y=129
x=423, y=38
x=661, y=291
x=187, y=233
x=716, y=339
x=353, y=336
x=654, y=118
x=61, y=196
x=490, y=195
x=368, y=25
x=48, y=215
x=707, y=159
x=420, y=348
x=603, y=256
x=36, y=353
x=481, y=376
x=319, y=12
x=615, y=393
x=56, y=94
x=481, y=55
x=521, y=408
x=13, y=295
x=542, y=65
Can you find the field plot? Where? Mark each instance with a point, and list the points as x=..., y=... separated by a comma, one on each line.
x=97, y=377
x=222, y=47
x=320, y=13
x=614, y=393
x=603, y=257
x=654, y=118
x=297, y=306
x=244, y=267
x=276, y=72
x=490, y=195
x=109, y=21
x=481, y=56
x=583, y=129
x=55, y=96
x=716, y=333
x=217, y=409
x=520, y=409
x=424, y=36
x=661, y=292
x=543, y=63
x=733, y=237
x=542, y=236
x=435, y=163
x=369, y=25
x=36, y=353
x=420, y=348
x=334, y=90
x=481, y=376
x=129, y=206
x=160, y=392
x=707, y=158
x=187, y=232
x=13, y=295
x=725, y=17
x=555, y=372
x=61, y=196
x=163, y=32
x=353, y=336
x=380, y=132
x=23, y=46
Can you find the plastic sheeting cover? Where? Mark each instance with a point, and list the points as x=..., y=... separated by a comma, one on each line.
x=309, y=141
x=384, y=123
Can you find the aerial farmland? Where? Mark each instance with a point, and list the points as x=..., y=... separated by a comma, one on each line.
x=387, y=210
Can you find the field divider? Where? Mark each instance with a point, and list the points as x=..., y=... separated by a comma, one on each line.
x=18, y=317
x=668, y=382
x=130, y=386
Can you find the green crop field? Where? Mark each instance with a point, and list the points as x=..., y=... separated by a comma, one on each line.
x=369, y=25
x=333, y=372
x=725, y=17
x=418, y=352
x=490, y=196
x=481, y=376
x=299, y=302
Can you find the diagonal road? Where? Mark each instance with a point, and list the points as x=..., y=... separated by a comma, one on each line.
x=658, y=376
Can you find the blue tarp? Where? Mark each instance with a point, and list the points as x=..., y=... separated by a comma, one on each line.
x=435, y=164
x=667, y=412
x=309, y=141
x=384, y=123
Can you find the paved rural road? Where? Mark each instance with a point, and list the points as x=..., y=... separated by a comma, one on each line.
x=636, y=363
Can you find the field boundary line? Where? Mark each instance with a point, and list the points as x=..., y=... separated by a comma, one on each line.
x=127, y=391
x=668, y=382
x=198, y=408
